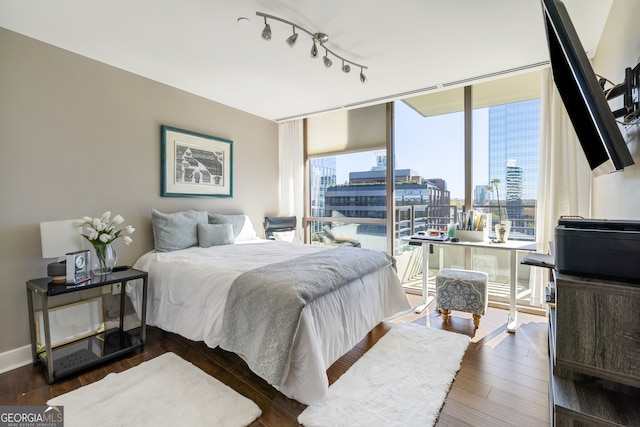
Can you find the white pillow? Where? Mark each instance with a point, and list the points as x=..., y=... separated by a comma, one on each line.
x=247, y=232
x=242, y=227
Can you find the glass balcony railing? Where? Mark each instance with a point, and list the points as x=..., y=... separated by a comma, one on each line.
x=409, y=259
x=371, y=233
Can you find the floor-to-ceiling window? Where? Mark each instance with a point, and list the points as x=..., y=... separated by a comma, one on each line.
x=511, y=153
x=347, y=175
x=429, y=179
x=499, y=180
x=455, y=151
x=348, y=199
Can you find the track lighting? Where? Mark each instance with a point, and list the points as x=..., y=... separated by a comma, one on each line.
x=266, y=33
x=317, y=39
x=327, y=62
x=291, y=41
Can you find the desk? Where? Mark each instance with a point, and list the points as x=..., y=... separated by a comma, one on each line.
x=510, y=245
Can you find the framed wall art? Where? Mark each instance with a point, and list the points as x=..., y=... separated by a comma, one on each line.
x=195, y=165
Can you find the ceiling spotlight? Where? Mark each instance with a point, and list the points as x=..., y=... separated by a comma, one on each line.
x=266, y=33
x=326, y=60
x=291, y=41
x=317, y=39
x=363, y=78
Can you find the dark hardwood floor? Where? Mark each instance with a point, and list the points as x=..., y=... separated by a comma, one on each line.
x=503, y=379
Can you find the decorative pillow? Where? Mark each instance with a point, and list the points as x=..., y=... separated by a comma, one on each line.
x=242, y=227
x=175, y=231
x=215, y=235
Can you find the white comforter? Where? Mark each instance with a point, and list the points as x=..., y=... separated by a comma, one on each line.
x=188, y=289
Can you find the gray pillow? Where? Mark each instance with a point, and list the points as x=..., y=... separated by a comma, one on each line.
x=175, y=231
x=236, y=221
x=215, y=235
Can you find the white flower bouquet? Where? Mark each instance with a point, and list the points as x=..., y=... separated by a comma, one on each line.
x=101, y=232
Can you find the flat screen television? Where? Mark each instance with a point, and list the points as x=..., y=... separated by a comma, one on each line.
x=583, y=97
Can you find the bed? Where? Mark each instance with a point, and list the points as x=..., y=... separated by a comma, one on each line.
x=191, y=294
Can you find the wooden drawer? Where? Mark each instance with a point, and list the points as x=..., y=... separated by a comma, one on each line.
x=598, y=328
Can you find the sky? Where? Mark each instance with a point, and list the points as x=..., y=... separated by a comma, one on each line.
x=432, y=146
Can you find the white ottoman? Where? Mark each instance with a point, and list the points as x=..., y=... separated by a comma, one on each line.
x=462, y=290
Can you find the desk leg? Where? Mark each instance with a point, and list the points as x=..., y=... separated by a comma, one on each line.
x=426, y=299
x=513, y=277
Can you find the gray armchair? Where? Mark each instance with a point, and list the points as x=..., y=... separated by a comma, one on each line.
x=280, y=227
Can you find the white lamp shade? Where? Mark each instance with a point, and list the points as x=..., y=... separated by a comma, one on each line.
x=59, y=238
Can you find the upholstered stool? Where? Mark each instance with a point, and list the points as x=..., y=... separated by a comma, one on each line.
x=462, y=290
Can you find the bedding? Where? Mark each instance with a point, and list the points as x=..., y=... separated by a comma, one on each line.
x=188, y=290
x=265, y=338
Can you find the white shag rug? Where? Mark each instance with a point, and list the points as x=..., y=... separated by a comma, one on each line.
x=164, y=391
x=401, y=381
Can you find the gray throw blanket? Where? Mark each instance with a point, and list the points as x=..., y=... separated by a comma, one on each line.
x=263, y=308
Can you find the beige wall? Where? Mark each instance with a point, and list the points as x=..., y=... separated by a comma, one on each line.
x=78, y=137
x=617, y=195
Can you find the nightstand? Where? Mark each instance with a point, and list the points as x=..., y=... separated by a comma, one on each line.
x=71, y=357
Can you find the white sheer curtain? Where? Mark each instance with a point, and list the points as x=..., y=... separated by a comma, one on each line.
x=564, y=177
x=291, y=162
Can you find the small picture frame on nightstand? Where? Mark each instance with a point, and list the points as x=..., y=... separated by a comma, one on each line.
x=78, y=267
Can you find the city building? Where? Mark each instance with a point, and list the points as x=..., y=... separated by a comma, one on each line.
x=365, y=195
x=513, y=196
x=323, y=176
x=514, y=140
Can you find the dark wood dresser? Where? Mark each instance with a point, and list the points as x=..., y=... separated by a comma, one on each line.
x=594, y=352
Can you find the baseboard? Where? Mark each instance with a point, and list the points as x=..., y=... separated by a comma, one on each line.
x=15, y=358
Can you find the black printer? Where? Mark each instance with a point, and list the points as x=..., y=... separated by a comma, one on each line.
x=599, y=248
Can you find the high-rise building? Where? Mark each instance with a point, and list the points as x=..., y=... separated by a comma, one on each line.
x=514, y=134
x=365, y=196
x=323, y=176
x=514, y=183
x=514, y=190
x=514, y=141
x=481, y=196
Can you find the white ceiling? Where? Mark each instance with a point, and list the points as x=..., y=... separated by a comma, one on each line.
x=410, y=46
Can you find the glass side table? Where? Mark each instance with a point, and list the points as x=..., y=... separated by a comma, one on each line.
x=71, y=357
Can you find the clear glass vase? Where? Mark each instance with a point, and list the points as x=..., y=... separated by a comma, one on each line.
x=103, y=259
x=503, y=228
